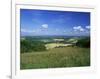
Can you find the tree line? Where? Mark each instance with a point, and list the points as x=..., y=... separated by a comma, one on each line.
x=29, y=46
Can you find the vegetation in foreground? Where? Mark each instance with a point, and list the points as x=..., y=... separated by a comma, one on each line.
x=58, y=57
x=54, y=54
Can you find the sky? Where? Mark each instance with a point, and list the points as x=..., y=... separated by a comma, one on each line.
x=48, y=22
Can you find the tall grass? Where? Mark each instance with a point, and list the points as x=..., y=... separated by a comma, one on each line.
x=57, y=57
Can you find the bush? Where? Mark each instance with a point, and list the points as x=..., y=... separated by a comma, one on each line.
x=29, y=46
x=85, y=42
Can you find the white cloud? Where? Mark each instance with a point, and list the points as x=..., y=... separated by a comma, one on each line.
x=87, y=27
x=27, y=31
x=79, y=28
x=45, y=26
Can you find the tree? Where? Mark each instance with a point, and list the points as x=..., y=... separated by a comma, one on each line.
x=29, y=46
x=85, y=42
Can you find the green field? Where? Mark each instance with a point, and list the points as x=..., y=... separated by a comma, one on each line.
x=56, y=58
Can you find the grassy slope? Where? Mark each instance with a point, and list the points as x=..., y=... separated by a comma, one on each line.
x=57, y=57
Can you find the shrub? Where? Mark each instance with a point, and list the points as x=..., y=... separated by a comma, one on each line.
x=85, y=42
x=29, y=46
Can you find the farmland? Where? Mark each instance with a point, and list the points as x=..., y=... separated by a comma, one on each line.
x=49, y=52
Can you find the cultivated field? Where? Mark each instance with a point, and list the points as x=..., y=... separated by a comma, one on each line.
x=56, y=45
x=55, y=58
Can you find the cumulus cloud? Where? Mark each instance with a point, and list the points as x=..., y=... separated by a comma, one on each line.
x=87, y=27
x=79, y=28
x=45, y=26
x=27, y=31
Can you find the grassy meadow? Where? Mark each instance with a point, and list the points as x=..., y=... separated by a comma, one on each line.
x=57, y=57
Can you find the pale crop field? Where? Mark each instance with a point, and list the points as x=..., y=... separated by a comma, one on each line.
x=54, y=45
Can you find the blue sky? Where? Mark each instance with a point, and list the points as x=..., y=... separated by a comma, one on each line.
x=47, y=22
